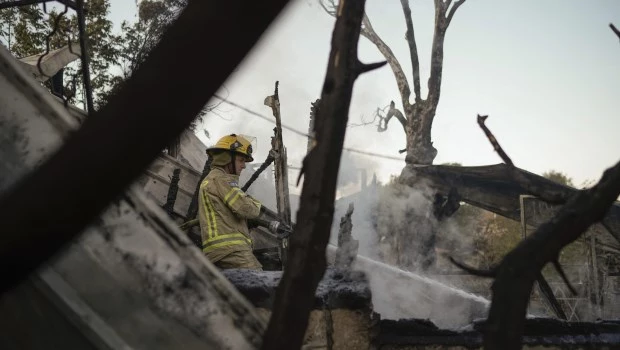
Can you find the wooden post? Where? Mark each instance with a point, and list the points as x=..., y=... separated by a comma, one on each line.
x=192, y=211
x=281, y=170
x=172, y=192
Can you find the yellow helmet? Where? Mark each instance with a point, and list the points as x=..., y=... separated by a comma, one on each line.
x=234, y=143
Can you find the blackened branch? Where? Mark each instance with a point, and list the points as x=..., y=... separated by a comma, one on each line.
x=611, y=25
x=363, y=68
x=493, y=140
x=521, y=266
x=552, y=197
x=472, y=270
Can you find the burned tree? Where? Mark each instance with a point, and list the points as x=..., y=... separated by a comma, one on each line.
x=417, y=117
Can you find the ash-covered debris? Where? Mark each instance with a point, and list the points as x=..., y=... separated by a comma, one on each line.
x=423, y=332
x=538, y=331
x=337, y=289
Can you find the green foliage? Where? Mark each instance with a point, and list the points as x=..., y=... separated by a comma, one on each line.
x=480, y=237
x=24, y=31
x=8, y=19
x=154, y=18
x=493, y=236
x=558, y=177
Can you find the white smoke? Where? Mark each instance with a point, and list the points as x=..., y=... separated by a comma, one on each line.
x=380, y=211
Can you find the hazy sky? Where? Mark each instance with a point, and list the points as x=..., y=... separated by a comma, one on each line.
x=546, y=72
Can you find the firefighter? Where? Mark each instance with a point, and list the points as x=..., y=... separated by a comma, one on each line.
x=224, y=209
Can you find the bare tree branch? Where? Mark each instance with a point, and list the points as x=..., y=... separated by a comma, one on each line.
x=413, y=49
x=453, y=11
x=401, y=79
x=392, y=112
x=419, y=115
x=615, y=30
x=307, y=261
x=552, y=197
x=330, y=9
x=474, y=271
x=481, y=119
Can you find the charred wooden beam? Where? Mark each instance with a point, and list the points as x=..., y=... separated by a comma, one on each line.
x=173, y=189
x=521, y=267
x=52, y=205
x=314, y=106
x=307, y=263
x=494, y=188
x=278, y=151
x=347, y=246
x=192, y=210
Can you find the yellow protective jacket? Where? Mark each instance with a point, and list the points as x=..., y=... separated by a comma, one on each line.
x=223, y=211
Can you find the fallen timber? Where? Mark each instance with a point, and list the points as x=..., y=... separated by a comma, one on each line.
x=492, y=188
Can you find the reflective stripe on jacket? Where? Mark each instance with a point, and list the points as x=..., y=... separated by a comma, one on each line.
x=223, y=212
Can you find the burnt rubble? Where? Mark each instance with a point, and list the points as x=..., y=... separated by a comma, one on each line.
x=538, y=331
x=338, y=288
x=341, y=289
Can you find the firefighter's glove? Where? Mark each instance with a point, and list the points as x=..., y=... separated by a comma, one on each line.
x=279, y=229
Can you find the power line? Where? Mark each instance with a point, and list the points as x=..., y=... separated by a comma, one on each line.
x=300, y=133
x=256, y=114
